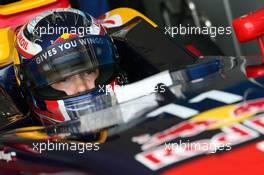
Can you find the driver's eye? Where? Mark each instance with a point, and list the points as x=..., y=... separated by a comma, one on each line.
x=62, y=81
x=88, y=72
x=65, y=80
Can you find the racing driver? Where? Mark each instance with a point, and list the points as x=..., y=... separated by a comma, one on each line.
x=64, y=56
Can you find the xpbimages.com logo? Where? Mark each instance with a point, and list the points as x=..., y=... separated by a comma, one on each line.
x=60, y=146
x=201, y=146
x=50, y=30
x=193, y=30
x=112, y=88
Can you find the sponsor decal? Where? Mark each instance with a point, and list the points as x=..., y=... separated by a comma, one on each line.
x=7, y=156
x=60, y=48
x=25, y=47
x=110, y=21
x=185, y=129
x=225, y=118
x=23, y=43
x=260, y=146
x=160, y=157
x=245, y=159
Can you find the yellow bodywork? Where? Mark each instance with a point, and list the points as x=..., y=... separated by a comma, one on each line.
x=23, y=5
x=7, y=46
x=128, y=14
x=31, y=132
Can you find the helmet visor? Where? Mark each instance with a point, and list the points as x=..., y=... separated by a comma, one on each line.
x=69, y=57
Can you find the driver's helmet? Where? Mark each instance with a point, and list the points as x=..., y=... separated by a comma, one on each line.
x=65, y=58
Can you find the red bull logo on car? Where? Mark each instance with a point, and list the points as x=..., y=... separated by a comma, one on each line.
x=225, y=118
x=162, y=156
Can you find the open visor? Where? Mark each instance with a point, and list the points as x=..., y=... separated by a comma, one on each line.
x=70, y=57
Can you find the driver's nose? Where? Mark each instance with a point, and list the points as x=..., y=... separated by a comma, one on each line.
x=80, y=85
x=83, y=83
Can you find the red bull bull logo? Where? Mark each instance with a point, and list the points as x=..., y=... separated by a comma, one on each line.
x=250, y=106
x=64, y=36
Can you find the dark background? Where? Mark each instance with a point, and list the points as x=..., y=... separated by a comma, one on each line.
x=219, y=12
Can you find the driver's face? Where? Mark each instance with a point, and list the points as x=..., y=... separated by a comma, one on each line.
x=77, y=83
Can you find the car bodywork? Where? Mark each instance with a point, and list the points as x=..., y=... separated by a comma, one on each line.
x=178, y=99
